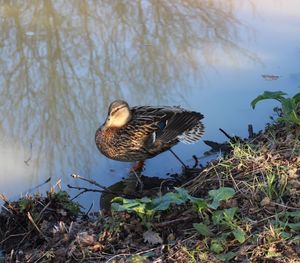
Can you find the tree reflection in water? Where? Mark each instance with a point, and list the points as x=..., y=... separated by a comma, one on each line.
x=62, y=63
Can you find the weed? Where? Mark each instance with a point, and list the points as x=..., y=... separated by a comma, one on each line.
x=63, y=198
x=289, y=106
x=147, y=207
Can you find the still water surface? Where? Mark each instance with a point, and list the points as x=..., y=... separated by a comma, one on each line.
x=61, y=64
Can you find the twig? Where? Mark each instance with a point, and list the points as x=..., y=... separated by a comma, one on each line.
x=285, y=206
x=43, y=210
x=76, y=176
x=118, y=255
x=34, y=224
x=250, y=131
x=84, y=190
x=9, y=207
x=4, y=199
x=196, y=161
x=139, y=180
x=11, y=236
x=172, y=221
x=124, y=254
x=90, y=208
x=41, y=184
x=226, y=134
x=176, y=156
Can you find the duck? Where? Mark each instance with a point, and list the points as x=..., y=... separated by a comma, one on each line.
x=134, y=134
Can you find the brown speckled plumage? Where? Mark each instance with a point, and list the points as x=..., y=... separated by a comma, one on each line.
x=150, y=131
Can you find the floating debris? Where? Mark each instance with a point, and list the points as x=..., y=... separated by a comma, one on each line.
x=270, y=77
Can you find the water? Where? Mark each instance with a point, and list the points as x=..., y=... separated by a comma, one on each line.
x=61, y=64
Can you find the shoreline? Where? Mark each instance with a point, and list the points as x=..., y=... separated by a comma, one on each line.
x=242, y=207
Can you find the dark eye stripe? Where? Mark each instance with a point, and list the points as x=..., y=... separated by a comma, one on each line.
x=117, y=109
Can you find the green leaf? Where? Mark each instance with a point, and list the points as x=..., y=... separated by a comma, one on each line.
x=288, y=106
x=117, y=207
x=217, y=217
x=127, y=206
x=294, y=226
x=199, y=204
x=223, y=193
x=183, y=194
x=286, y=235
x=163, y=203
x=239, y=235
x=230, y=213
x=132, y=205
x=117, y=199
x=294, y=214
x=145, y=200
x=216, y=246
x=295, y=239
x=226, y=256
x=24, y=204
x=202, y=229
x=296, y=98
x=276, y=95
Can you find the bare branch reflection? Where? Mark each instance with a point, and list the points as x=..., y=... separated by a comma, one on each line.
x=61, y=63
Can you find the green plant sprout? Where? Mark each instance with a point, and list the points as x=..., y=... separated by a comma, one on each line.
x=290, y=105
x=225, y=219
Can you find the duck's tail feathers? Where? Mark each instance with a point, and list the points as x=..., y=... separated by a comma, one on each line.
x=192, y=135
x=181, y=125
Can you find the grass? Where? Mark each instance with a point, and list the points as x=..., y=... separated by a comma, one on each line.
x=265, y=174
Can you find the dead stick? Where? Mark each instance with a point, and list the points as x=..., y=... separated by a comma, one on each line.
x=250, y=131
x=76, y=176
x=176, y=156
x=226, y=134
x=36, y=227
x=196, y=161
x=172, y=221
x=41, y=184
x=105, y=191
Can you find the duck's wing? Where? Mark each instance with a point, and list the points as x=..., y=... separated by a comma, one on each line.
x=168, y=125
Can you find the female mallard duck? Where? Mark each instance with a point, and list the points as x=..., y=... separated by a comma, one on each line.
x=139, y=133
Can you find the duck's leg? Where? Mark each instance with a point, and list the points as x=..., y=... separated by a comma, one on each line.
x=137, y=168
x=176, y=156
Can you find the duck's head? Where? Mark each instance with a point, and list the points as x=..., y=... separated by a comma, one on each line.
x=118, y=114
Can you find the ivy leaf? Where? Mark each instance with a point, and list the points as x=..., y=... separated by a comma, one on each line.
x=221, y=194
